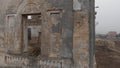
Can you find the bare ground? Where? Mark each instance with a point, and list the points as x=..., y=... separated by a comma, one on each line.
x=107, y=53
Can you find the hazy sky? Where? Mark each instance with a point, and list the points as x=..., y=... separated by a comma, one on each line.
x=108, y=16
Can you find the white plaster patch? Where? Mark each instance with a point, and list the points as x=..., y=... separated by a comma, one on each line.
x=76, y=5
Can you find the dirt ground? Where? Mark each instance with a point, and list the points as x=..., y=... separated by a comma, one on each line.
x=107, y=53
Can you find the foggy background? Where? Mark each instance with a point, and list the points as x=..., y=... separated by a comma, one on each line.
x=108, y=16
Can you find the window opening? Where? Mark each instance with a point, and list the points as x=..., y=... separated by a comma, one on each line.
x=29, y=17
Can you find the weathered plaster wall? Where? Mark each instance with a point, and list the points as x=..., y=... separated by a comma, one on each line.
x=81, y=33
x=67, y=25
x=64, y=35
x=63, y=39
x=3, y=8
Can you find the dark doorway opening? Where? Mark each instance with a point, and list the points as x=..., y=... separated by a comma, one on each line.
x=31, y=31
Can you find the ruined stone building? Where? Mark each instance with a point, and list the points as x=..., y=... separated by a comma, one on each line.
x=46, y=33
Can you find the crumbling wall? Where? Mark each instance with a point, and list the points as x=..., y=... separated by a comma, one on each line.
x=3, y=8
x=65, y=26
x=81, y=33
x=61, y=32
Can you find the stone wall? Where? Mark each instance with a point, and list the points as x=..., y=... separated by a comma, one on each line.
x=65, y=26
